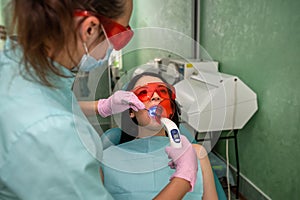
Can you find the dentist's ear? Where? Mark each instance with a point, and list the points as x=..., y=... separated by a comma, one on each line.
x=90, y=28
x=131, y=114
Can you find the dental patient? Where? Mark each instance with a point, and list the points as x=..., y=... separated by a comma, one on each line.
x=137, y=167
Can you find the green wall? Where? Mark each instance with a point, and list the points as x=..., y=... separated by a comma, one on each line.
x=259, y=41
x=174, y=15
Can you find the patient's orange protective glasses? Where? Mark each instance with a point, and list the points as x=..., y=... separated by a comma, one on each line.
x=164, y=90
x=118, y=35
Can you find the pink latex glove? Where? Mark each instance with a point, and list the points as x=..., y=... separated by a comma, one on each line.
x=119, y=102
x=184, y=160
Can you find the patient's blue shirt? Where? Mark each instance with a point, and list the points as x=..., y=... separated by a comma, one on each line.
x=139, y=169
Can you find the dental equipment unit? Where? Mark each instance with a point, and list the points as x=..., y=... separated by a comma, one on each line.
x=209, y=100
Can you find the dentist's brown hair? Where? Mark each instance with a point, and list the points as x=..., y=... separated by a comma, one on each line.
x=41, y=25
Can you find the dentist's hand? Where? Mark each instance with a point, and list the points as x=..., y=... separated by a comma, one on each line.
x=119, y=102
x=184, y=160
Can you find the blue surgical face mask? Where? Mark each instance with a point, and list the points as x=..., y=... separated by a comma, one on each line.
x=88, y=62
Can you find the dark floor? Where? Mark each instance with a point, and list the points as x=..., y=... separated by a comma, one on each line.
x=233, y=195
x=223, y=182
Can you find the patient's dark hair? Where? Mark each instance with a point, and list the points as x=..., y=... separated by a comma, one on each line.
x=129, y=125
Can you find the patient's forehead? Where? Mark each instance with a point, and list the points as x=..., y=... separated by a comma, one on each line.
x=147, y=79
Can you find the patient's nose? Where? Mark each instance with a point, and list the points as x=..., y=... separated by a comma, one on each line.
x=155, y=97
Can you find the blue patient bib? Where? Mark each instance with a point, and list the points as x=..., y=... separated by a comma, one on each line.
x=139, y=170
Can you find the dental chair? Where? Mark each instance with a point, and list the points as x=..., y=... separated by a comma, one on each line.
x=113, y=135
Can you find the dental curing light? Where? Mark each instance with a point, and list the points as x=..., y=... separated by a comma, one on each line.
x=169, y=126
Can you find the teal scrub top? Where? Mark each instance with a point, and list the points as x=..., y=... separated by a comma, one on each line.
x=139, y=169
x=48, y=149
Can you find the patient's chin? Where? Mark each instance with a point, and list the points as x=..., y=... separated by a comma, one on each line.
x=150, y=130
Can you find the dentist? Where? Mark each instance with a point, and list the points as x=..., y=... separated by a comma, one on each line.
x=42, y=155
